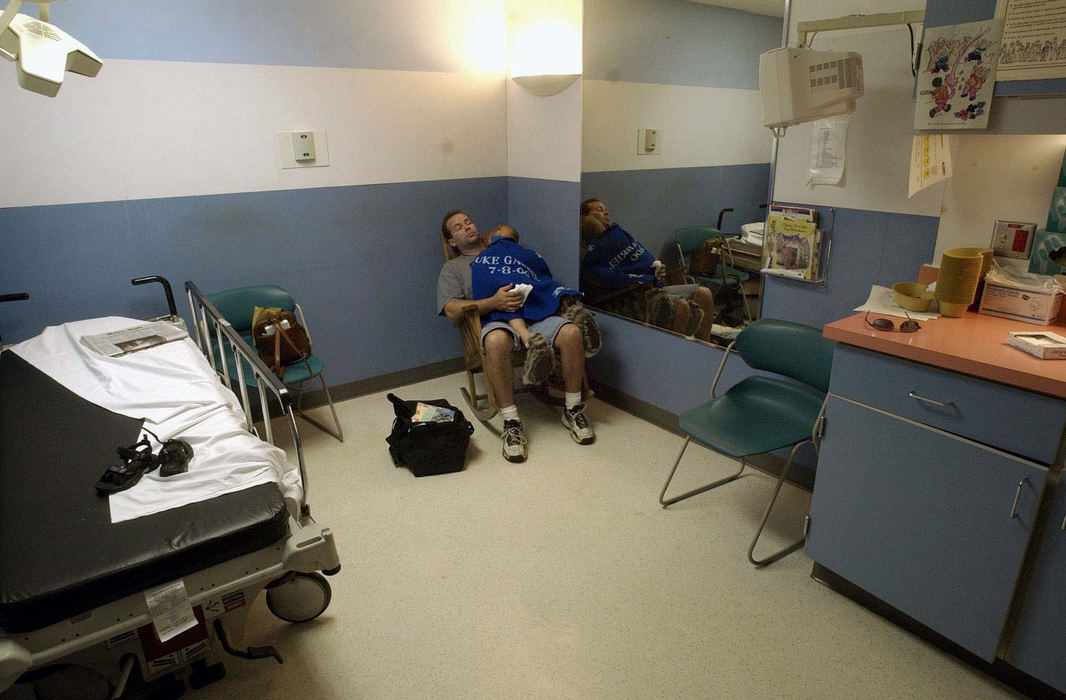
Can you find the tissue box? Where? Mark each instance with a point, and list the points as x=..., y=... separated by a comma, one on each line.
x=1022, y=302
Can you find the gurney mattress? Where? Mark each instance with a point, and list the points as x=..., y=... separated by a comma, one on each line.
x=60, y=554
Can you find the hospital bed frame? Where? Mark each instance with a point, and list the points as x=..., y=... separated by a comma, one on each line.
x=110, y=638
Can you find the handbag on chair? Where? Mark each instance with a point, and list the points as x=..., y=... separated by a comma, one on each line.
x=704, y=261
x=279, y=339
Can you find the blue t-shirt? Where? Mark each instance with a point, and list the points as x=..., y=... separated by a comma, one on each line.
x=617, y=260
x=505, y=262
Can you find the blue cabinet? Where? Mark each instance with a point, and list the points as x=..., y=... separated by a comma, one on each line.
x=1037, y=646
x=916, y=503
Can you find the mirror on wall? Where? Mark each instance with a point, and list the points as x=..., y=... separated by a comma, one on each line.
x=674, y=152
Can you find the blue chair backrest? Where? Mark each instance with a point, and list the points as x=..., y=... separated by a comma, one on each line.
x=691, y=238
x=238, y=305
x=789, y=349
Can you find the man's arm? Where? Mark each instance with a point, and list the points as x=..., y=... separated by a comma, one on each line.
x=453, y=295
x=505, y=299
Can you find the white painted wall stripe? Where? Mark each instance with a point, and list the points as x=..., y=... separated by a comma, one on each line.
x=699, y=126
x=145, y=129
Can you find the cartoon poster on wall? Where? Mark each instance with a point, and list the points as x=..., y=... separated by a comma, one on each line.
x=957, y=74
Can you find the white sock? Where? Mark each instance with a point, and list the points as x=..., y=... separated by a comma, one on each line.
x=510, y=413
x=573, y=398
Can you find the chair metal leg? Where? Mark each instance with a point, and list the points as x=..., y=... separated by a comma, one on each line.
x=766, y=516
x=338, y=433
x=701, y=489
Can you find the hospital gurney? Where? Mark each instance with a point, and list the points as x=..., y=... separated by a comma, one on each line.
x=79, y=590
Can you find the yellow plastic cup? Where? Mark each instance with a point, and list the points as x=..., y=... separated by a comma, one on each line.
x=956, y=285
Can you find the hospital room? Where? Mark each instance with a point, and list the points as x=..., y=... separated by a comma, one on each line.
x=848, y=219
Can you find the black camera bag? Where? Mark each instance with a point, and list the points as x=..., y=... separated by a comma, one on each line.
x=428, y=448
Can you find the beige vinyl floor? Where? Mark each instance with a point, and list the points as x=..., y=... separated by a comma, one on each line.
x=563, y=578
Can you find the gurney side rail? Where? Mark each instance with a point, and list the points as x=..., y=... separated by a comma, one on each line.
x=217, y=339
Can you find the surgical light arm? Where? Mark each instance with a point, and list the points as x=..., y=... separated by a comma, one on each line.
x=42, y=51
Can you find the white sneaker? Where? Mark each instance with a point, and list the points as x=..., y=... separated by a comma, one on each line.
x=514, y=441
x=578, y=425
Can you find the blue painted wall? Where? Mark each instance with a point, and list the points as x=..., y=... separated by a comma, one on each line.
x=397, y=35
x=652, y=204
x=867, y=248
x=675, y=43
x=363, y=262
x=544, y=212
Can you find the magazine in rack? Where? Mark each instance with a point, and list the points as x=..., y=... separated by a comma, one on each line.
x=134, y=338
x=793, y=242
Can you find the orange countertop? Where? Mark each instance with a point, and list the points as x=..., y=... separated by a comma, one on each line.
x=975, y=344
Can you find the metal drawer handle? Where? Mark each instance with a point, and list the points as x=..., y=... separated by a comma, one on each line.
x=1063, y=523
x=916, y=395
x=1017, y=497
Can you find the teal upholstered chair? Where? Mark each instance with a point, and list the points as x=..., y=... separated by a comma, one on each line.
x=727, y=280
x=762, y=413
x=237, y=306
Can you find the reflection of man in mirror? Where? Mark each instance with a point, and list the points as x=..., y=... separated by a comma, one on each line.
x=613, y=259
x=455, y=291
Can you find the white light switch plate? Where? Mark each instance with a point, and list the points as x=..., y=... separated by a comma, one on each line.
x=287, y=152
x=648, y=142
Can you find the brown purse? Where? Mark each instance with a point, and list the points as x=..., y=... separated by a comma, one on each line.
x=704, y=261
x=279, y=339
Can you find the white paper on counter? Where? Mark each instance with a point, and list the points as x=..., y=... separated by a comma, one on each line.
x=882, y=300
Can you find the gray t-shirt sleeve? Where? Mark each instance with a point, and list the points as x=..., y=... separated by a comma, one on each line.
x=454, y=282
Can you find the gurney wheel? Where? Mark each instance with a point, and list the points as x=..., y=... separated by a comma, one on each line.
x=300, y=599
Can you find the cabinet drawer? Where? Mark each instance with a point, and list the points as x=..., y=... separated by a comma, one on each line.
x=1010, y=419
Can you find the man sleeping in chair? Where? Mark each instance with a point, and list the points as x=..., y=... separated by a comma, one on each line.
x=567, y=328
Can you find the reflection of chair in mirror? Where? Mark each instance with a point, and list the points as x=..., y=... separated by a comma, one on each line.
x=761, y=414
x=726, y=282
x=468, y=323
x=238, y=306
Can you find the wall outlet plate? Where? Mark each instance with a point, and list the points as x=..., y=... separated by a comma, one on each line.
x=648, y=142
x=290, y=156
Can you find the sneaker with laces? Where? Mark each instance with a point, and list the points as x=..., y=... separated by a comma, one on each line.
x=539, y=360
x=578, y=425
x=590, y=330
x=514, y=441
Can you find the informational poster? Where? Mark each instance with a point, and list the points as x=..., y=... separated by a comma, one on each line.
x=957, y=75
x=1034, y=39
x=827, y=151
x=930, y=161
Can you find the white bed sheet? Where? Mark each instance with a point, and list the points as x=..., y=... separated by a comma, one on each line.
x=179, y=395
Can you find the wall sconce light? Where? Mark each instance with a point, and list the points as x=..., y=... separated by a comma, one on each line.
x=43, y=52
x=545, y=85
x=545, y=56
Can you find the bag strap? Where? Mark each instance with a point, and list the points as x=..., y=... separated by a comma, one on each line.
x=400, y=406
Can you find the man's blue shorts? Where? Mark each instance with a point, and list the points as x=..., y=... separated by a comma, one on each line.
x=547, y=327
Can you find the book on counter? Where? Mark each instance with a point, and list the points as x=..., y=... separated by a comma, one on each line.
x=1042, y=344
x=134, y=338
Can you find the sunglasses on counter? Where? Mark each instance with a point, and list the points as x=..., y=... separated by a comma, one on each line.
x=884, y=324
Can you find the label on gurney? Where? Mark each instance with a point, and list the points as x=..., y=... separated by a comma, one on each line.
x=170, y=610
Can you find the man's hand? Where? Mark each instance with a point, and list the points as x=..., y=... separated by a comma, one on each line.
x=658, y=269
x=507, y=299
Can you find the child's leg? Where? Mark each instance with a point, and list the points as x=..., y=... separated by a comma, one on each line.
x=520, y=327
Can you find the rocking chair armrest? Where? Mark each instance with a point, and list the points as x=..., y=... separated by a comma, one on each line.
x=468, y=323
